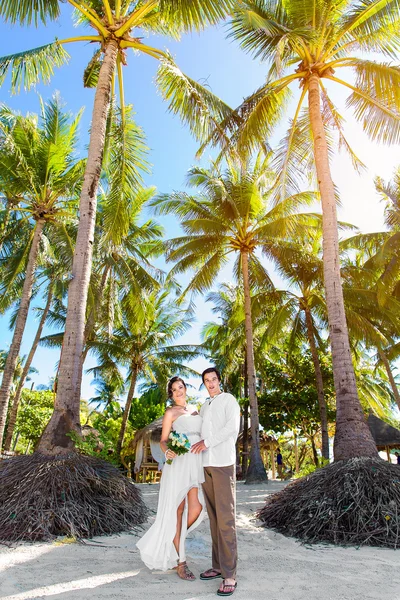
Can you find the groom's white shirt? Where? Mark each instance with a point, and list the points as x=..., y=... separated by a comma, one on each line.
x=220, y=428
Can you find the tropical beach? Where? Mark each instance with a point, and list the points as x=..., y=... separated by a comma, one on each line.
x=200, y=293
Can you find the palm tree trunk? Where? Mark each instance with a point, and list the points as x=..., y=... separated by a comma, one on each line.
x=66, y=411
x=27, y=366
x=320, y=385
x=314, y=451
x=256, y=470
x=245, y=456
x=127, y=409
x=353, y=437
x=12, y=356
x=386, y=364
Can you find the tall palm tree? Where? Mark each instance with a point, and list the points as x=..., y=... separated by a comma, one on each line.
x=38, y=164
x=302, y=309
x=143, y=345
x=225, y=342
x=234, y=215
x=306, y=43
x=53, y=274
x=111, y=25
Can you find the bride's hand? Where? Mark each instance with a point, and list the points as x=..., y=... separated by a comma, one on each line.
x=170, y=454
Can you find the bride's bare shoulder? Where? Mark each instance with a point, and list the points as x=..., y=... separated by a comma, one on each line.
x=169, y=412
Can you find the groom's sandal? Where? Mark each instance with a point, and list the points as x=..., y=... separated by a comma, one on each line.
x=210, y=574
x=184, y=572
x=226, y=589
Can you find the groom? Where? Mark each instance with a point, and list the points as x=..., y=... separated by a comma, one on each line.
x=221, y=419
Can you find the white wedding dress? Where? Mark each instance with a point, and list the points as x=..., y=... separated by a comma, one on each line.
x=156, y=547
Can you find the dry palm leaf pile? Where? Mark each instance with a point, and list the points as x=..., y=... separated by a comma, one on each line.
x=80, y=496
x=352, y=502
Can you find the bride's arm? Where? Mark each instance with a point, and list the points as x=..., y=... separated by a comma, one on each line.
x=166, y=430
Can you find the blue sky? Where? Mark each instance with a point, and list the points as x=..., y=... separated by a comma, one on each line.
x=213, y=60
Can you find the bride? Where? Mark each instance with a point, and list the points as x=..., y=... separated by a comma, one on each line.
x=180, y=502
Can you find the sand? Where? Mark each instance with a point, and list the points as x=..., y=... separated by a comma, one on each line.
x=271, y=566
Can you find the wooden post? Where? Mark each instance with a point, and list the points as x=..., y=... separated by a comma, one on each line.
x=273, y=462
x=144, y=459
x=388, y=454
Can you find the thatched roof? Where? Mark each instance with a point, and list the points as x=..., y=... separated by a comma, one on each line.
x=384, y=435
x=265, y=439
x=151, y=431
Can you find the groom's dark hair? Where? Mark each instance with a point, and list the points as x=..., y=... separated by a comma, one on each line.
x=211, y=370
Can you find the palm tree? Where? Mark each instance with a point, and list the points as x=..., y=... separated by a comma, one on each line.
x=54, y=274
x=301, y=309
x=38, y=164
x=321, y=38
x=111, y=25
x=372, y=311
x=233, y=216
x=225, y=342
x=143, y=345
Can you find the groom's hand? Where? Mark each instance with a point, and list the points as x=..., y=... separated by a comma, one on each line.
x=198, y=447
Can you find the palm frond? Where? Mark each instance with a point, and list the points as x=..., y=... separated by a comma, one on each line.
x=264, y=30
x=91, y=73
x=332, y=118
x=208, y=117
x=30, y=67
x=259, y=114
x=379, y=120
x=27, y=11
x=125, y=168
x=192, y=15
x=365, y=16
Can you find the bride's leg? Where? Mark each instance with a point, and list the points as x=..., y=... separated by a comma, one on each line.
x=179, y=514
x=179, y=542
x=194, y=506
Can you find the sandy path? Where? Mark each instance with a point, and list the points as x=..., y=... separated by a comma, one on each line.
x=270, y=566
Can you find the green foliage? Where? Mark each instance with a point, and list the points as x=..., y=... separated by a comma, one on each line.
x=95, y=445
x=146, y=409
x=310, y=467
x=108, y=422
x=291, y=401
x=34, y=413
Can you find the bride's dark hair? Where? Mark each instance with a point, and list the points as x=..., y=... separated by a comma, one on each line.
x=171, y=383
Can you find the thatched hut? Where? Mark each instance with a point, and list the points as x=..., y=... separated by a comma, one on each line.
x=386, y=436
x=268, y=446
x=145, y=446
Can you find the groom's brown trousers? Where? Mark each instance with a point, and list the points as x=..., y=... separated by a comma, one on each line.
x=219, y=492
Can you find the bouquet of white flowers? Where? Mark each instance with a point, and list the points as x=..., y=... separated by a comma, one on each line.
x=178, y=443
